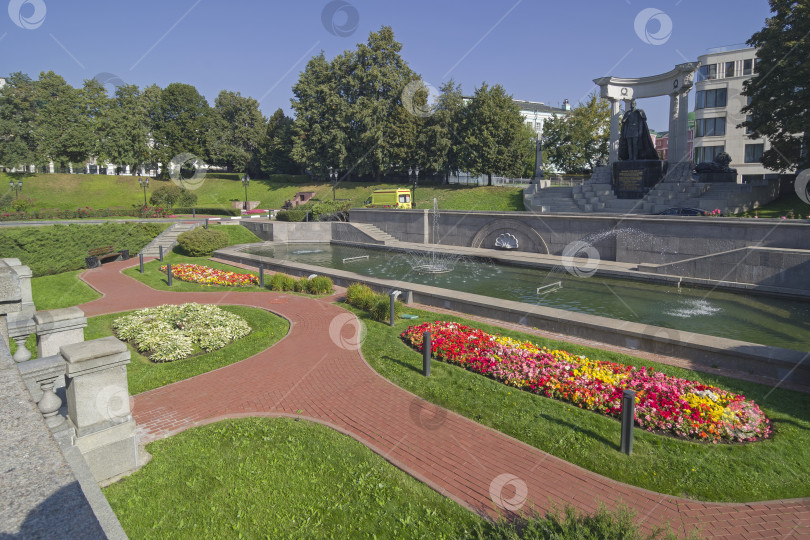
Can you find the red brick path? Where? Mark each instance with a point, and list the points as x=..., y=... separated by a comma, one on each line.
x=316, y=373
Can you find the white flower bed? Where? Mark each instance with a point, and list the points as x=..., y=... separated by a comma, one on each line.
x=170, y=332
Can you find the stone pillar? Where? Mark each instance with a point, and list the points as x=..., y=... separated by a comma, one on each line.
x=674, y=145
x=98, y=405
x=615, y=118
x=683, y=126
x=58, y=327
x=10, y=295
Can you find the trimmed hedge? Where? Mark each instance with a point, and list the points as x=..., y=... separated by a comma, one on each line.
x=54, y=249
x=210, y=210
x=316, y=285
x=318, y=211
x=201, y=242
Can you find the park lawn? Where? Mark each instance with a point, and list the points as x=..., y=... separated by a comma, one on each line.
x=61, y=290
x=772, y=469
x=782, y=206
x=237, y=234
x=156, y=279
x=143, y=375
x=70, y=191
x=285, y=478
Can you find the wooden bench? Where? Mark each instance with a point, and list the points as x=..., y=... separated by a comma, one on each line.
x=104, y=254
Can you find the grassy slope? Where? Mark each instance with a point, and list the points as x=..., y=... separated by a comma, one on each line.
x=144, y=375
x=781, y=207
x=72, y=191
x=772, y=469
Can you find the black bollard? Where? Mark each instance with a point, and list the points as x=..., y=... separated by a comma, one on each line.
x=206, y=223
x=160, y=250
x=628, y=414
x=140, y=256
x=169, y=272
x=392, y=299
x=193, y=213
x=261, y=276
x=426, y=352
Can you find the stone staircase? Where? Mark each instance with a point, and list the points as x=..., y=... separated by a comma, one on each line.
x=375, y=232
x=167, y=239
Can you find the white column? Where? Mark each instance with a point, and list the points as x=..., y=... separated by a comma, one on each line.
x=683, y=126
x=674, y=147
x=615, y=116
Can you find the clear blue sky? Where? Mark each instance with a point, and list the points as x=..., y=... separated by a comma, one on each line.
x=537, y=50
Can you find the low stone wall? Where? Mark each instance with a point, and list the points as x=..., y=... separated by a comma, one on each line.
x=704, y=351
x=623, y=238
x=772, y=267
x=286, y=231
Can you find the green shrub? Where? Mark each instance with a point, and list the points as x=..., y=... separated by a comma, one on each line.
x=207, y=210
x=282, y=282
x=301, y=285
x=59, y=248
x=320, y=285
x=294, y=214
x=172, y=195
x=380, y=309
x=22, y=204
x=360, y=296
x=201, y=242
x=317, y=210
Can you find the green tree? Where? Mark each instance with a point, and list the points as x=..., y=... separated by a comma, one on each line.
x=440, y=140
x=182, y=123
x=149, y=102
x=779, y=92
x=494, y=139
x=275, y=154
x=95, y=105
x=236, y=130
x=18, y=112
x=63, y=129
x=575, y=142
x=346, y=109
x=126, y=128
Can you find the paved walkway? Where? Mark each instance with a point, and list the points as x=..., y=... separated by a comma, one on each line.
x=317, y=373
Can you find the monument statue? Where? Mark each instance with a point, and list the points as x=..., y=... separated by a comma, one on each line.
x=718, y=165
x=635, y=142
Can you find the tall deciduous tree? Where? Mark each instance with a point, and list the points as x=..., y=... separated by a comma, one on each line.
x=95, y=105
x=127, y=128
x=494, y=139
x=575, y=142
x=18, y=114
x=236, y=130
x=779, y=92
x=181, y=124
x=62, y=127
x=440, y=139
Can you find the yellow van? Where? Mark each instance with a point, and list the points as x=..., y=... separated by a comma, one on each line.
x=389, y=198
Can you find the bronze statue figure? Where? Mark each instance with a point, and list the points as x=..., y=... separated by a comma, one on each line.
x=635, y=142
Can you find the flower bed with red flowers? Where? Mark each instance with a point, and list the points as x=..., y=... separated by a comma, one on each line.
x=676, y=406
x=209, y=276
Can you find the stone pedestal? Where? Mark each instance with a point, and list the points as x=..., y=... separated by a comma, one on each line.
x=728, y=177
x=58, y=327
x=98, y=405
x=633, y=179
x=240, y=205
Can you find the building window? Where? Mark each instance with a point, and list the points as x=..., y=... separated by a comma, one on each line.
x=707, y=153
x=707, y=99
x=748, y=67
x=729, y=69
x=708, y=72
x=753, y=152
x=710, y=127
x=748, y=130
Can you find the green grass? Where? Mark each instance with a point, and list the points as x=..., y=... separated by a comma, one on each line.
x=61, y=290
x=156, y=279
x=70, y=191
x=144, y=375
x=237, y=234
x=781, y=207
x=771, y=469
x=282, y=478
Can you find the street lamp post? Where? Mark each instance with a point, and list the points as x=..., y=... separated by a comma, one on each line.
x=333, y=176
x=415, y=174
x=245, y=182
x=144, y=183
x=16, y=187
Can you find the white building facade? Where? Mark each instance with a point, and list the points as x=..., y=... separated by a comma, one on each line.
x=535, y=113
x=718, y=104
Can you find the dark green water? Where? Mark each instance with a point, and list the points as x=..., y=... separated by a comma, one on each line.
x=757, y=319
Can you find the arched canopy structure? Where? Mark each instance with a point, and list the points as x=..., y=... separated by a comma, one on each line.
x=676, y=84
